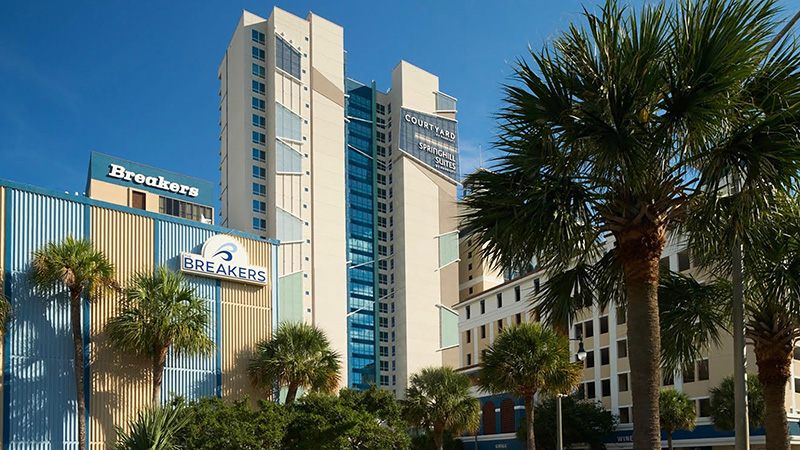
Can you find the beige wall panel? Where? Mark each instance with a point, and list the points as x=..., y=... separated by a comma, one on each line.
x=239, y=302
x=289, y=93
x=288, y=195
x=120, y=384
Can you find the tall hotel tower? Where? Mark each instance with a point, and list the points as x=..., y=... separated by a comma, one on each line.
x=358, y=185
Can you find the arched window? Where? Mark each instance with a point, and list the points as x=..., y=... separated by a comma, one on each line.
x=507, y=424
x=489, y=419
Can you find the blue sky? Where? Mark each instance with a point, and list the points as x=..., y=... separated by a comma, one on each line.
x=138, y=79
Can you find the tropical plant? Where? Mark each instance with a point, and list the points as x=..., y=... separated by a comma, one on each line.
x=73, y=264
x=214, y=424
x=5, y=313
x=625, y=128
x=723, y=405
x=438, y=399
x=676, y=412
x=161, y=312
x=584, y=422
x=425, y=441
x=299, y=355
x=527, y=359
x=156, y=428
x=329, y=422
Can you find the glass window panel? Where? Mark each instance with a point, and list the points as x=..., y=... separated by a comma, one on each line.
x=288, y=160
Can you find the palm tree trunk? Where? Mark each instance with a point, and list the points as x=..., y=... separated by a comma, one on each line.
x=531, y=442
x=291, y=393
x=77, y=342
x=774, y=371
x=669, y=439
x=438, y=437
x=640, y=251
x=159, y=361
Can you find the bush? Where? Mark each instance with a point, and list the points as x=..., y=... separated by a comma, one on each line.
x=216, y=425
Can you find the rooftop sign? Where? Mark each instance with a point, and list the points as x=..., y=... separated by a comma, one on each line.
x=161, y=182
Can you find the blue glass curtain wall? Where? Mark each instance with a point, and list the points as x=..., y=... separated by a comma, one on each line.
x=361, y=246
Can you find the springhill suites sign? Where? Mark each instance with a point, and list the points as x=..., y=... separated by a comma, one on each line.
x=432, y=140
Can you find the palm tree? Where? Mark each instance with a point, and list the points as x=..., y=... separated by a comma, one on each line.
x=161, y=312
x=623, y=128
x=438, y=399
x=156, y=427
x=73, y=264
x=298, y=356
x=677, y=412
x=525, y=359
x=723, y=404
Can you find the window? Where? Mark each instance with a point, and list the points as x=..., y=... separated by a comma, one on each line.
x=704, y=407
x=259, y=71
x=259, y=121
x=489, y=418
x=589, y=359
x=259, y=224
x=688, y=374
x=384, y=380
x=259, y=190
x=470, y=291
x=469, y=266
x=519, y=318
x=259, y=104
x=259, y=172
x=590, y=394
x=622, y=349
x=507, y=423
x=625, y=414
x=259, y=206
x=288, y=125
x=259, y=54
x=702, y=370
x=683, y=261
x=384, y=336
x=468, y=311
x=469, y=336
x=385, y=366
x=259, y=37
x=605, y=388
x=581, y=390
x=183, y=209
x=259, y=155
x=578, y=329
x=287, y=58
x=469, y=359
x=623, y=382
x=500, y=325
x=500, y=300
x=797, y=353
x=663, y=264
x=621, y=315
x=259, y=138
x=604, y=325
x=384, y=322
x=588, y=326
x=604, y=358
x=383, y=307
x=138, y=200
x=797, y=385
x=483, y=331
x=259, y=87
x=517, y=294
x=483, y=306
x=536, y=286
x=667, y=377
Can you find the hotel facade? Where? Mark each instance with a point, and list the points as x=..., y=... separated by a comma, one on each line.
x=358, y=185
x=140, y=218
x=606, y=376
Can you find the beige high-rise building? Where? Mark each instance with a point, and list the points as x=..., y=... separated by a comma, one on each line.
x=359, y=186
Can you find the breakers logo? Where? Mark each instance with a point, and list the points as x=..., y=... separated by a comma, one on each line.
x=120, y=173
x=223, y=257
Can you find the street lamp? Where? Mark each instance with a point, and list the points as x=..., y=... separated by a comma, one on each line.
x=580, y=356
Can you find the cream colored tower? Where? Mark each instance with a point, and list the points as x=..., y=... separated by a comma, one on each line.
x=282, y=157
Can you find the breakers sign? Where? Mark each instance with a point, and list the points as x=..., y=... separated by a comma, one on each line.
x=120, y=173
x=432, y=140
x=223, y=257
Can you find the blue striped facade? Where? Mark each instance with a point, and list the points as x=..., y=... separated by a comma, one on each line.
x=39, y=405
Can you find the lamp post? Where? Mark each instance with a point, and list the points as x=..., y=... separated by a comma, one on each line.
x=580, y=356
